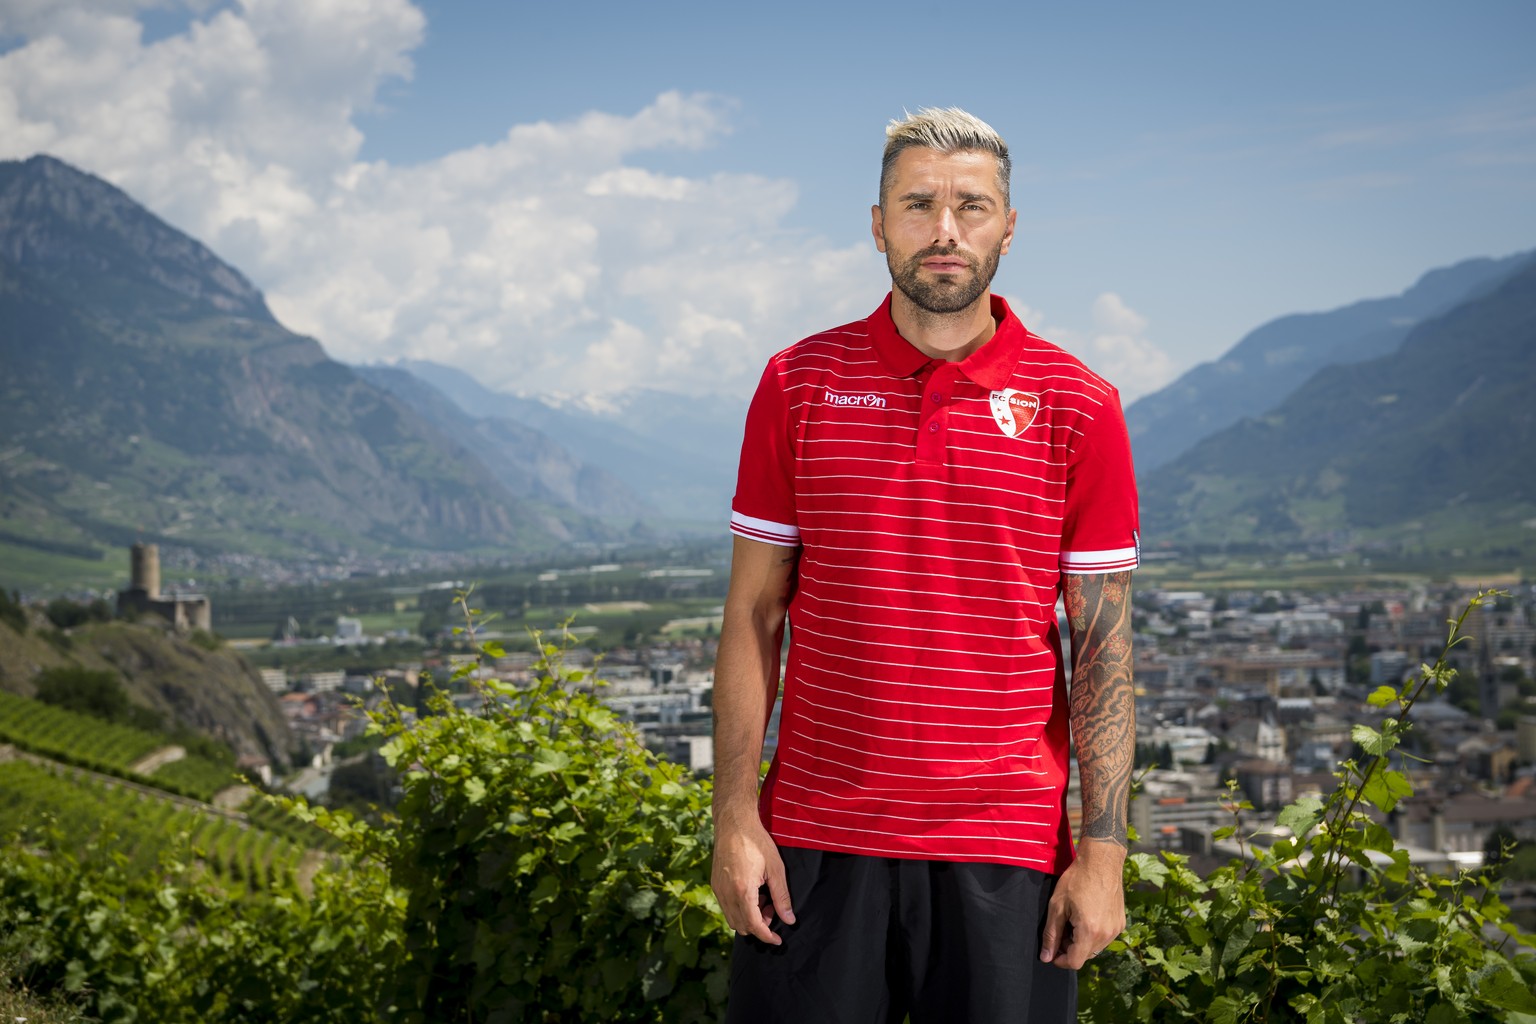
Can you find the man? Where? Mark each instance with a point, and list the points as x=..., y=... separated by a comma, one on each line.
x=916, y=489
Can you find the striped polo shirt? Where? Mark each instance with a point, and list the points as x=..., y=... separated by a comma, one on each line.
x=937, y=505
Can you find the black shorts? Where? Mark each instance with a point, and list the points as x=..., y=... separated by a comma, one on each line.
x=877, y=939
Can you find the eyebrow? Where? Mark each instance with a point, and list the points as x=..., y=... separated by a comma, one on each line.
x=969, y=197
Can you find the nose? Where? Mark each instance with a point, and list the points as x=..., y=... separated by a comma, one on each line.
x=944, y=229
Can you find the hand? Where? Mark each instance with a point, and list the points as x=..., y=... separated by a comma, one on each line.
x=746, y=859
x=1087, y=910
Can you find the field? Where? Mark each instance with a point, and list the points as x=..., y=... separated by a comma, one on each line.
x=89, y=742
x=142, y=828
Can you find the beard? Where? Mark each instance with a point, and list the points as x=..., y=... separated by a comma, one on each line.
x=943, y=294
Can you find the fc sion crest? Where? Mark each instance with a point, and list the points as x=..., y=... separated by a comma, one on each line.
x=1014, y=410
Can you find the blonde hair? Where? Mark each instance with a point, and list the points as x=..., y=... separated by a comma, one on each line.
x=948, y=130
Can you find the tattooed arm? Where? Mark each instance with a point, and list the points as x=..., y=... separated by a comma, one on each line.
x=1088, y=907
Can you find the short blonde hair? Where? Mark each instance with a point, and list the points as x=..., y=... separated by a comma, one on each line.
x=948, y=130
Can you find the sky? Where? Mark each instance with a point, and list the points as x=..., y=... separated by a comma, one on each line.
x=572, y=199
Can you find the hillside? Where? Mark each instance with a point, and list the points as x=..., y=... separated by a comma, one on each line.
x=212, y=691
x=676, y=452
x=1276, y=358
x=1437, y=438
x=522, y=459
x=147, y=393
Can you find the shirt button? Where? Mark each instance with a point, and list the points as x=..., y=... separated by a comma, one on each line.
x=936, y=397
x=933, y=428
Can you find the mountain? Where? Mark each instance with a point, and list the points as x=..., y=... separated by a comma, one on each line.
x=148, y=392
x=524, y=460
x=1435, y=441
x=1270, y=362
x=678, y=452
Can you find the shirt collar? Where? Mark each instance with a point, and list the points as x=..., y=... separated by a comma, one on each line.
x=989, y=366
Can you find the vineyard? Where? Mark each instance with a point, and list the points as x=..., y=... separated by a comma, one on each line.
x=104, y=746
x=194, y=776
x=76, y=738
x=142, y=828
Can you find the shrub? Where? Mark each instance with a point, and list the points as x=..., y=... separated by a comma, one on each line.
x=553, y=868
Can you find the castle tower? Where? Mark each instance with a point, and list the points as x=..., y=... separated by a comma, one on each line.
x=145, y=560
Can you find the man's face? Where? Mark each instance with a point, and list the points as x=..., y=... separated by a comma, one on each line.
x=943, y=226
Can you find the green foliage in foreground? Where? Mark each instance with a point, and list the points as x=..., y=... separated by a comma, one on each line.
x=171, y=947
x=553, y=868
x=1329, y=924
x=545, y=867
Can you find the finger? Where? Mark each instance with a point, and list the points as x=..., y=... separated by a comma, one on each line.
x=778, y=890
x=1055, y=928
x=1077, y=953
x=759, y=917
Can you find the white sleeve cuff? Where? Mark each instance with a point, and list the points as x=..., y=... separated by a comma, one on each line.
x=1088, y=563
x=765, y=530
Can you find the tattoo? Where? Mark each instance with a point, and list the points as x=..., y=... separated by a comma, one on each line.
x=1103, y=702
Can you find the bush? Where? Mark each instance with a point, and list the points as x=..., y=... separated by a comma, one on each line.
x=552, y=867
x=1328, y=924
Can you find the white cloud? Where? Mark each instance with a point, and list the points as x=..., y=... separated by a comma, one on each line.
x=541, y=261
x=1116, y=346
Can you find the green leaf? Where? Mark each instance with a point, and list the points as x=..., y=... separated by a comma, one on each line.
x=1302, y=816
x=547, y=889
x=1371, y=741
x=1148, y=868
x=546, y=761
x=641, y=902
x=1238, y=941
x=1381, y=696
x=1385, y=788
x=1225, y=1010
x=1505, y=988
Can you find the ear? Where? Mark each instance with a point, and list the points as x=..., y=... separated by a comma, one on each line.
x=877, y=226
x=1013, y=222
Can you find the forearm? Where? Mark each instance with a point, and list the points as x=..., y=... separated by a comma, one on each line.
x=747, y=669
x=1103, y=704
x=746, y=683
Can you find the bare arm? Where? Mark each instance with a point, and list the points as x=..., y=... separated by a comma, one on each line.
x=746, y=683
x=1088, y=907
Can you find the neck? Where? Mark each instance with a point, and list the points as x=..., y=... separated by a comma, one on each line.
x=948, y=336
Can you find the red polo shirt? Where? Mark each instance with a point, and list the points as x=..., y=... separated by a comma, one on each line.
x=938, y=505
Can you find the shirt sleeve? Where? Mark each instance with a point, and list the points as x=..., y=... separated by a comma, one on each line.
x=1101, y=528
x=764, y=506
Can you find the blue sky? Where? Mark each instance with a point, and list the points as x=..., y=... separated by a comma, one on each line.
x=689, y=187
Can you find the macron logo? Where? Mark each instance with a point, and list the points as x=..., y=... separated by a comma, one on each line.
x=871, y=401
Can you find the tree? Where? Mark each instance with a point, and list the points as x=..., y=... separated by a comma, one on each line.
x=87, y=691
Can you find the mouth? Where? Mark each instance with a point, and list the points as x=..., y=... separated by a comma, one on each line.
x=945, y=263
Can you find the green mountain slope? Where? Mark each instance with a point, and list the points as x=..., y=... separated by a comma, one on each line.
x=147, y=392
x=1440, y=435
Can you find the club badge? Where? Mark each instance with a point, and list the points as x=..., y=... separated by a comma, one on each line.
x=1014, y=410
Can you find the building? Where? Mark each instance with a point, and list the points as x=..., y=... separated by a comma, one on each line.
x=183, y=611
